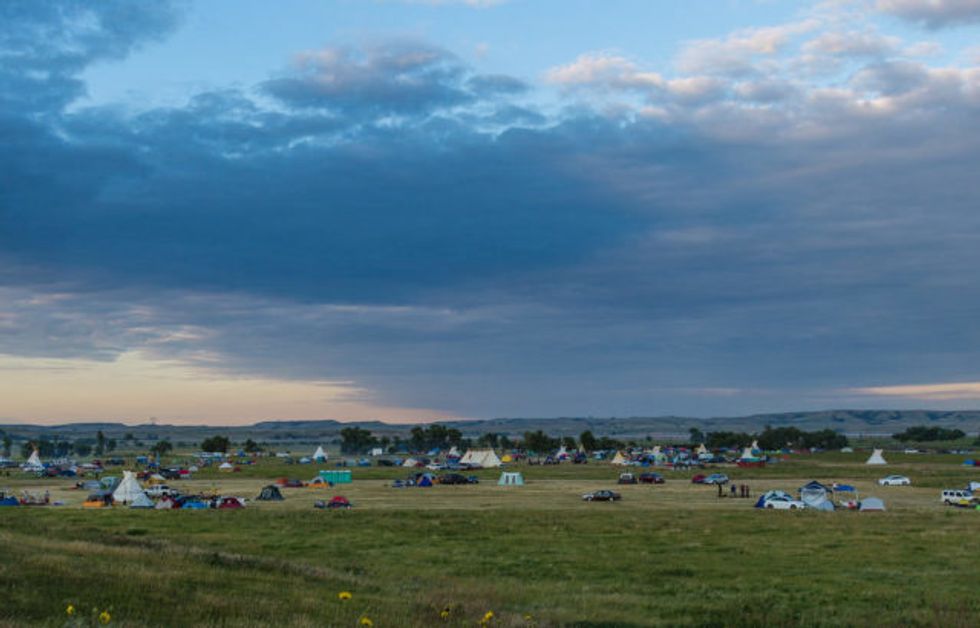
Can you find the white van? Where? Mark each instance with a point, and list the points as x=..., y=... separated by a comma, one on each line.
x=953, y=496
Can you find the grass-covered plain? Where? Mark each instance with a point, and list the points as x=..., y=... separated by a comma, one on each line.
x=535, y=555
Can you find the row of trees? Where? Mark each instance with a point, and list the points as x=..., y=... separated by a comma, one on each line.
x=773, y=438
x=923, y=434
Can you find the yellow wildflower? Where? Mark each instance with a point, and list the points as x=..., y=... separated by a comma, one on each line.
x=488, y=617
x=105, y=617
x=366, y=621
x=445, y=613
x=70, y=610
x=344, y=596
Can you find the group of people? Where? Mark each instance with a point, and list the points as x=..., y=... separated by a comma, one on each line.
x=740, y=490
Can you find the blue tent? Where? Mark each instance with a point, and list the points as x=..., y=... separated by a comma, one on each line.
x=10, y=500
x=425, y=480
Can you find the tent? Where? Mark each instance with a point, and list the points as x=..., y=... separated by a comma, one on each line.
x=129, y=490
x=814, y=494
x=876, y=458
x=319, y=455
x=701, y=450
x=872, y=504
x=453, y=452
x=485, y=458
x=424, y=480
x=619, y=459
x=748, y=454
x=411, y=462
x=510, y=479
x=507, y=458
x=142, y=501
x=165, y=503
x=827, y=506
x=33, y=463
x=226, y=466
x=270, y=494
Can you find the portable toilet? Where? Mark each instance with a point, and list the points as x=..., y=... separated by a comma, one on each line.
x=510, y=479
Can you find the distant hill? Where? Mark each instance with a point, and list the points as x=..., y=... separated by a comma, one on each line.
x=851, y=422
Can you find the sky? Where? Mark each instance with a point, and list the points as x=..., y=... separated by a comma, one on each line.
x=410, y=210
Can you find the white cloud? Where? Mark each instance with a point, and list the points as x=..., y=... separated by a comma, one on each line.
x=736, y=54
x=931, y=392
x=605, y=70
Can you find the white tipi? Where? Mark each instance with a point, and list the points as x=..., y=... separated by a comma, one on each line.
x=320, y=455
x=619, y=459
x=486, y=458
x=34, y=462
x=129, y=490
x=876, y=458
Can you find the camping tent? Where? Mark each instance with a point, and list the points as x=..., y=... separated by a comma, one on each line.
x=226, y=466
x=814, y=494
x=270, y=494
x=872, y=503
x=453, y=452
x=411, y=462
x=510, y=479
x=129, y=490
x=876, y=458
x=619, y=459
x=485, y=458
x=142, y=501
x=424, y=480
x=319, y=455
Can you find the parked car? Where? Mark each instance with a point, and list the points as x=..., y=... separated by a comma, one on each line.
x=952, y=496
x=602, y=496
x=783, y=502
x=895, y=480
x=472, y=479
x=627, y=478
x=698, y=479
x=716, y=478
x=337, y=502
x=651, y=478
x=453, y=478
x=160, y=490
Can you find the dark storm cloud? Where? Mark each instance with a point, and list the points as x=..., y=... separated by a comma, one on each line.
x=399, y=221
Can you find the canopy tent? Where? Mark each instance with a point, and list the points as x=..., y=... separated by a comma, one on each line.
x=129, y=490
x=319, y=455
x=872, y=504
x=485, y=458
x=876, y=458
x=510, y=479
x=270, y=493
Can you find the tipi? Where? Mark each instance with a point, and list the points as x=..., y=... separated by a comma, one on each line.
x=876, y=458
x=619, y=458
x=319, y=455
x=129, y=490
x=34, y=462
x=701, y=450
x=142, y=501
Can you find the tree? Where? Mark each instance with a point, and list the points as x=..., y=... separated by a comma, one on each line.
x=588, y=440
x=7, y=445
x=355, y=440
x=251, y=446
x=539, y=442
x=110, y=445
x=99, y=443
x=489, y=439
x=215, y=444
x=163, y=447
x=923, y=434
x=82, y=449
x=697, y=436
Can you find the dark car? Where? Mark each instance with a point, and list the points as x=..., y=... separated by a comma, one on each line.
x=472, y=479
x=627, y=478
x=651, y=478
x=453, y=478
x=602, y=496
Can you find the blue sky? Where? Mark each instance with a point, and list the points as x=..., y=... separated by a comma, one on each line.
x=231, y=211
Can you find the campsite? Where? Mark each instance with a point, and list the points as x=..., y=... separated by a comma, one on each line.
x=520, y=542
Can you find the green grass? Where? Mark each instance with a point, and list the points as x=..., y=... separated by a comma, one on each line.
x=672, y=555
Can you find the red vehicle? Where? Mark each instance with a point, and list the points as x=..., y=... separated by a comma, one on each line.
x=337, y=502
x=698, y=479
x=651, y=478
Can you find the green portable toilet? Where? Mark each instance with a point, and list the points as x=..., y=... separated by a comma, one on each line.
x=337, y=476
x=510, y=479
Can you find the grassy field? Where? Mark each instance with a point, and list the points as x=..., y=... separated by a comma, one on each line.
x=535, y=555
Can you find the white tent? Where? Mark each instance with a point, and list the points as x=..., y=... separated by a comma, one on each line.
x=129, y=490
x=226, y=466
x=747, y=454
x=562, y=452
x=701, y=449
x=755, y=446
x=34, y=462
x=876, y=458
x=142, y=501
x=319, y=455
x=510, y=479
x=871, y=503
x=619, y=458
x=411, y=462
x=485, y=458
x=453, y=451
